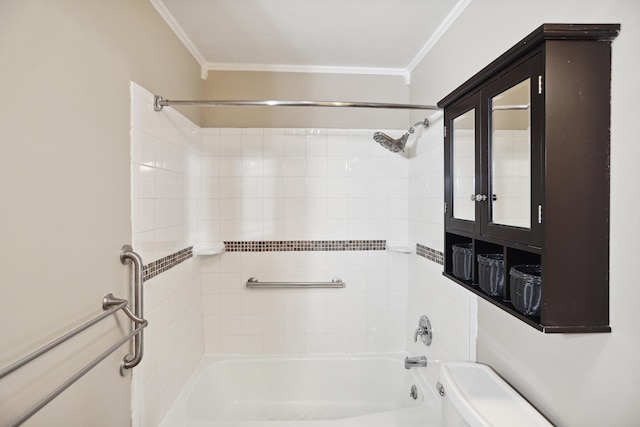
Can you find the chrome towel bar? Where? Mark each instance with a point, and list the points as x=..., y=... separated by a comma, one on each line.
x=254, y=283
x=111, y=305
x=49, y=397
x=53, y=344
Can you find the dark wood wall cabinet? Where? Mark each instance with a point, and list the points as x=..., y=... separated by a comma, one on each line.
x=527, y=179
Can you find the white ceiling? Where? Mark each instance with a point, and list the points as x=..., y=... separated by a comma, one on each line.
x=340, y=36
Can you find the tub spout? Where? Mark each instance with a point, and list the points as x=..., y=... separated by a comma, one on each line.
x=414, y=362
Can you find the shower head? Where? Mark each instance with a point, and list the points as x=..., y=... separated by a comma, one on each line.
x=391, y=144
x=395, y=145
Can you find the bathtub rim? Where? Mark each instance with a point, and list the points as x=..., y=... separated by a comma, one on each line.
x=430, y=395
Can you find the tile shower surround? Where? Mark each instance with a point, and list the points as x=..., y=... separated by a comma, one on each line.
x=165, y=180
x=301, y=184
x=263, y=189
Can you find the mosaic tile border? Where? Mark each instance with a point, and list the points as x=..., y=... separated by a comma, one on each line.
x=163, y=264
x=430, y=254
x=305, y=245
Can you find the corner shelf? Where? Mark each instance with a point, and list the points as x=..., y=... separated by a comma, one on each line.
x=208, y=248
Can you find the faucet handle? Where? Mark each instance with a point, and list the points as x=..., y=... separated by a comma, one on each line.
x=424, y=331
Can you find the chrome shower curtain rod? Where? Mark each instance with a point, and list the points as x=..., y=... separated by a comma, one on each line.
x=160, y=102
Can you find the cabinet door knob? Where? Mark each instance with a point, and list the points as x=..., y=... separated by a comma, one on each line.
x=478, y=197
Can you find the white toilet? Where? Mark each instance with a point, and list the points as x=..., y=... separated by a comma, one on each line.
x=475, y=396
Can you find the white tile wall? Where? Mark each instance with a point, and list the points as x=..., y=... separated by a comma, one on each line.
x=165, y=189
x=303, y=184
x=300, y=184
x=426, y=187
x=368, y=315
x=451, y=309
x=173, y=342
x=165, y=178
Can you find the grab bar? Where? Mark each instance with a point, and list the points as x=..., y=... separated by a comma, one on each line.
x=111, y=305
x=132, y=360
x=254, y=283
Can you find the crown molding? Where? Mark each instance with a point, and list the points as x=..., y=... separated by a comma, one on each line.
x=177, y=29
x=401, y=72
x=457, y=10
x=287, y=68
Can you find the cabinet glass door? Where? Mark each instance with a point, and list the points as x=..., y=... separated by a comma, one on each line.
x=510, y=156
x=462, y=165
x=463, y=142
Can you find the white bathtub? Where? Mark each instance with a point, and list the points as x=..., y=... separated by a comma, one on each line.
x=287, y=391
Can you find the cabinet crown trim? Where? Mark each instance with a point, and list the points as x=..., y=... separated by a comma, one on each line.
x=545, y=32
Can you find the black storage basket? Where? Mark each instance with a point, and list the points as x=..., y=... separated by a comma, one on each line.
x=462, y=257
x=525, y=288
x=491, y=273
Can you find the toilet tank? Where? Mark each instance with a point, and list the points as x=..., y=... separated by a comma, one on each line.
x=476, y=396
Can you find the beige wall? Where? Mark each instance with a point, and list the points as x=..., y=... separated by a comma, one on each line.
x=65, y=191
x=223, y=85
x=576, y=380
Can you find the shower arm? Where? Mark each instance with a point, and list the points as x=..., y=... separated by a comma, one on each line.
x=424, y=123
x=159, y=103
